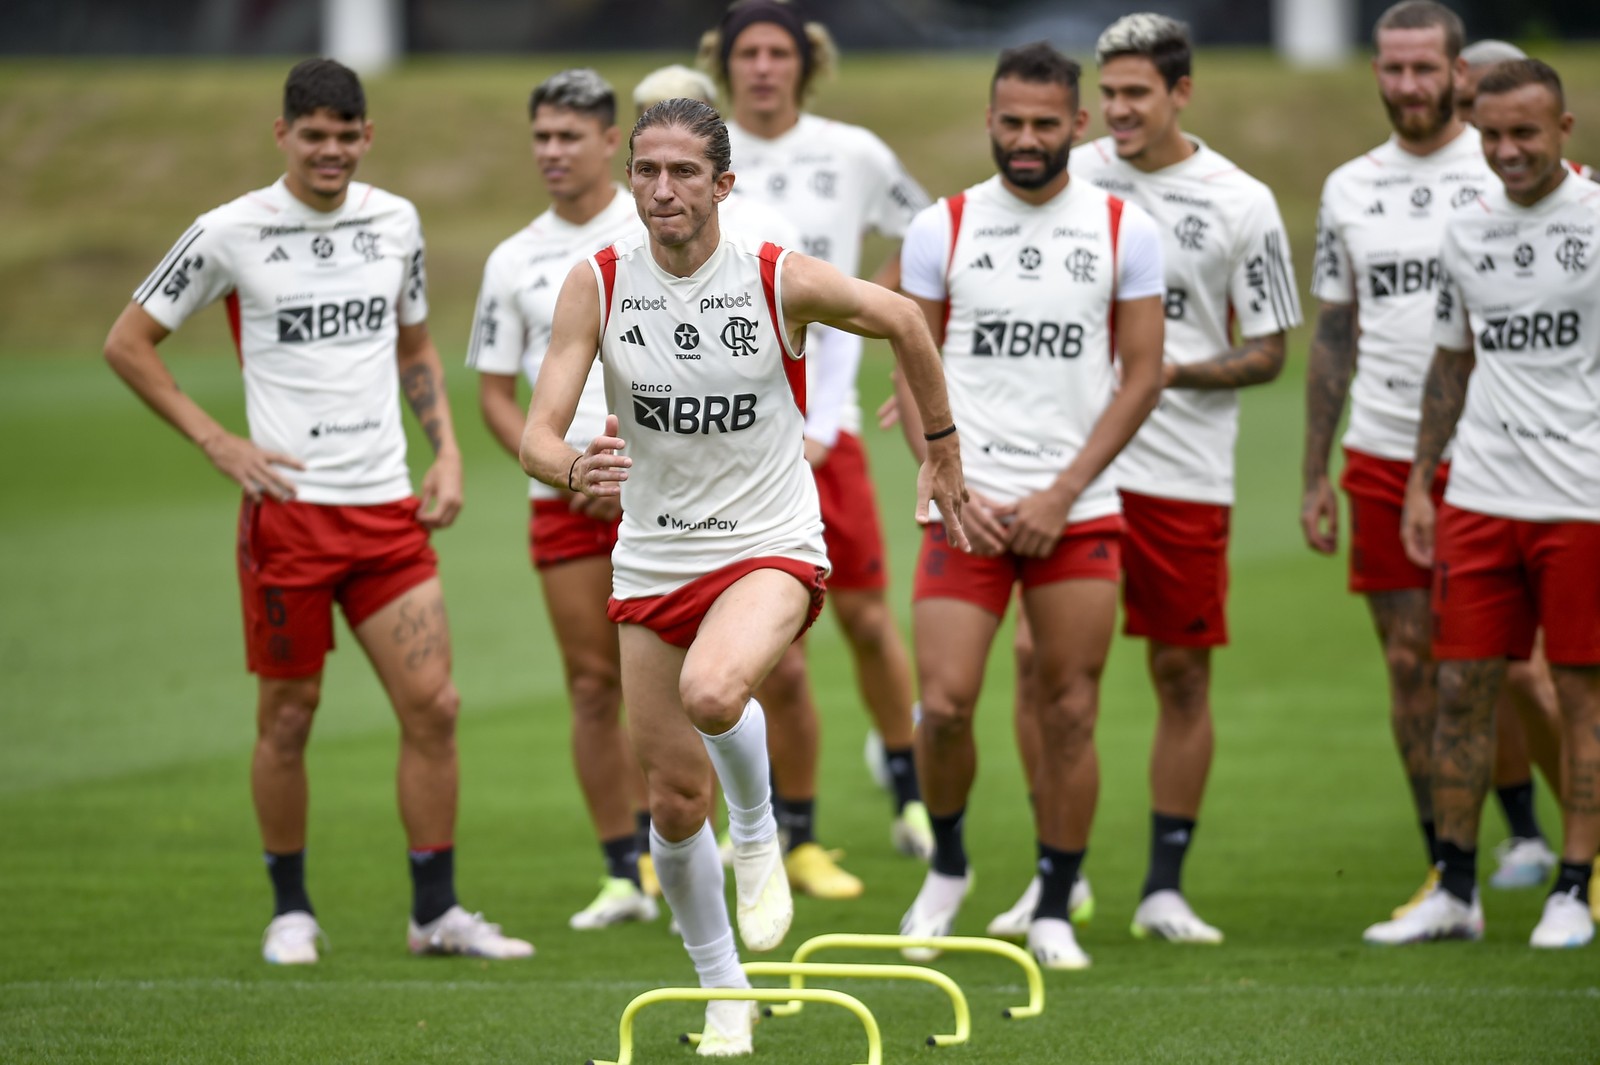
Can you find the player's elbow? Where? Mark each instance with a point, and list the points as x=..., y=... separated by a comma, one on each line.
x=1273, y=353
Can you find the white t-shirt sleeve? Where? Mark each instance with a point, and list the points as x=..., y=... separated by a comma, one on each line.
x=1332, y=280
x=1141, y=270
x=191, y=275
x=896, y=195
x=497, y=326
x=925, y=253
x=1451, y=328
x=413, y=306
x=1261, y=287
x=834, y=361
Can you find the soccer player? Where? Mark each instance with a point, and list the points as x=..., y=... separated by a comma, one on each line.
x=1479, y=57
x=720, y=560
x=836, y=182
x=575, y=140
x=1516, y=543
x=325, y=286
x=1379, y=227
x=1037, y=285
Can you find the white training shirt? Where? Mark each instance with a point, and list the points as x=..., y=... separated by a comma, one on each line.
x=517, y=304
x=1382, y=219
x=835, y=182
x=1028, y=356
x=1522, y=287
x=710, y=398
x=316, y=300
x=1227, y=261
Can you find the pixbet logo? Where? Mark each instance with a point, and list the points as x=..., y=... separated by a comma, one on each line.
x=632, y=303
x=724, y=302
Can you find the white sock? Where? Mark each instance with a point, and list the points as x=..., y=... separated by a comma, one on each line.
x=718, y=963
x=740, y=758
x=692, y=883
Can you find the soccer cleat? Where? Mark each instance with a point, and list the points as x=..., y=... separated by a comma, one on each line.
x=933, y=912
x=1429, y=882
x=764, y=906
x=620, y=900
x=727, y=1033
x=1594, y=894
x=648, y=882
x=1013, y=923
x=912, y=832
x=1567, y=922
x=1167, y=915
x=1438, y=916
x=877, y=762
x=813, y=871
x=725, y=848
x=1051, y=942
x=460, y=932
x=1524, y=863
x=291, y=939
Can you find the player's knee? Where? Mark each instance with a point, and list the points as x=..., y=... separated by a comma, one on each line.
x=867, y=624
x=785, y=686
x=714, y=701
x=596, y=692
x=431, y=719
x=1408, y=662
x=1068, y=715
x=285, y=714
x=1182, y=681
x=678, y=805
x=946, y=718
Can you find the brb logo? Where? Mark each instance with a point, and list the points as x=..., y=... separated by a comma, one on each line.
x=326, y=321
x=693, y=415
x=1530, y=332
x=1053, y=340
x=1403, y=277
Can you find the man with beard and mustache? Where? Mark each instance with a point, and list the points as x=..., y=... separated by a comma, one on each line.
x=1382, y=220
x=1035, y=285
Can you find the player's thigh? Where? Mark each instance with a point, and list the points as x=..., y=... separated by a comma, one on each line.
x=667, y=745
x=951, y=638
x=745, y=632
x=1072, y=623
x=575, y=596
x=408, y=642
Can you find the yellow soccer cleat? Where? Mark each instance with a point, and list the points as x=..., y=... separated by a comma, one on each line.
x=648, y=882
x=813, y=871
x=1423, y=892
x=1594, y=893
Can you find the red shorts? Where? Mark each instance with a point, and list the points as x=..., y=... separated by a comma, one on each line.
x=1175, y=570
x=556, y=534
x=676, y=616
x=850, y=526
x=1377, y=491
x=1496, y=580
x=1088, y=551
x=297, y=559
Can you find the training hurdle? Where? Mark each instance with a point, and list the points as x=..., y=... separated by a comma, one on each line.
x=797, y=971
x=745, y=994
x=954, y=944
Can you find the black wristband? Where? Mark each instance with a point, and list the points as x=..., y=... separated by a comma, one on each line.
x=570, y=471
x=941, y=434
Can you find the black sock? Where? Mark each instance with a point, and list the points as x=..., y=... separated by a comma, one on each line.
x=949, y=851
x=622, y=857
x=1574, y=876
x=641, y=830
x=1458, y=870
x=902, y=776
x=1517, y=802
x=288, y=875
x=1169, y=843
x=1430, y=839
x=433, y=882
x=1057, y=871
x=797, y=818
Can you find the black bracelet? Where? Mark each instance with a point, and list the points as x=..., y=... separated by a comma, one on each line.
x=941, y=434
x=570, y=471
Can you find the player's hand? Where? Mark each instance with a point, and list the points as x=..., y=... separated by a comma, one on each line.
x=1319, y=517
x=816, y=452
x=1416, y=526
x=939, y=480
x=985, y=522
x=441, y=491
x=251, y=467
x=599, y=508
x=889, y=412
x=602, y=468
x=1039, y=520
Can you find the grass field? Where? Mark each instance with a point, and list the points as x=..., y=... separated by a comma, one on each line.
x=128, y=855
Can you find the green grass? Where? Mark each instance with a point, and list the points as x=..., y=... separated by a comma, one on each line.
x=128, y=859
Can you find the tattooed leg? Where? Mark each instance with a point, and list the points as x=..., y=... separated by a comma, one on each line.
x=1578, y=690
x=1405, y=629
x=408, y=642
x=1463, y=746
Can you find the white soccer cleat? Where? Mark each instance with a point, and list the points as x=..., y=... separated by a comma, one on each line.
x=460, y=932
x=933, y=912
x=727, y=1033
x=1013, y=923
x=1524, y=863
x=761, y=889
x=1167, y=915
x=291, y=939
x=912, y=832
x=1567, y=922
x=1053, y=945
x=620, y=900
x=877, y=762
x=1438, y=916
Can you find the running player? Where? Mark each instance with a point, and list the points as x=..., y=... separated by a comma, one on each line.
x=575, y=140
x=325, y=287
x=1517, y=540
x=720, y=561
x=1036, y=284
x=836, y=182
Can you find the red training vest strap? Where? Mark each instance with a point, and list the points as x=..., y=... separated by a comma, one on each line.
x=606, y=259
x=794, y=370
x=1114, y=205
x=955, y=205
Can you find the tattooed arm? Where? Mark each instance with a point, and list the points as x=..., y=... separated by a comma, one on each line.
x=1443, y=396
x=1254, y=362
x=1333, y=363
x=422, y=381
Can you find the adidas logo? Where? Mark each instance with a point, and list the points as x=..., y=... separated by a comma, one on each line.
x=278, y=255
x=1178, y=837
x=633, y=336
x=543, y=282
x=1100, y=551
x=982, y=262
x=1376, y=208
x=1198, y=625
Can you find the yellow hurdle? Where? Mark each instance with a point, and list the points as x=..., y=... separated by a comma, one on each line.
x=959, y=944
x=797, y=971
x=747, y=994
